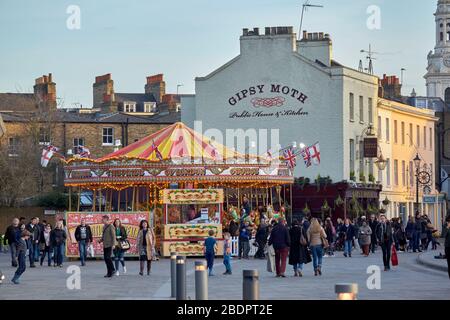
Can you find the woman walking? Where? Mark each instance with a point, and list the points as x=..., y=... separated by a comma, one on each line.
x=298, y=251
x=316, y=238
x=45, y=244
x=145, y=242
x=365, y=236
x=58, y=238
x=119, y=252
x=331, y=235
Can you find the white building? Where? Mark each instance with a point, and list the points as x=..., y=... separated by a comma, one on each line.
x=438, y=71
x=294, y=86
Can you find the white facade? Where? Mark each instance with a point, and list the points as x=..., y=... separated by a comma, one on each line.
x=279, y=83
x=438, y=70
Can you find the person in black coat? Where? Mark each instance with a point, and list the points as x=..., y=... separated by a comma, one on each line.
x=417, y=232
x=385, y=239
x=12, y=235
x=447, y=243
x=83, y=235
x=298, y=251
x=349, y=235
x=280, y=240
x=261, y=240
x=233, y=228
x=373, y=222
x=33, y=241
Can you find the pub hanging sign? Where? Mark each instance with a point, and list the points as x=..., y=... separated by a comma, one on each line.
x=370, y=147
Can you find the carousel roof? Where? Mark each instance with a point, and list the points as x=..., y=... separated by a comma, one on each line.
x=174, y=141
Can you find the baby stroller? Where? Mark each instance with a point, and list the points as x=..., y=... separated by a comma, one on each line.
x=339, y=244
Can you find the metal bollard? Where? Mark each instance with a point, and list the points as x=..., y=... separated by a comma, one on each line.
x=346, y=291
x=181, y=278
x=201, y=281
x=173, y=274
x=250, y=289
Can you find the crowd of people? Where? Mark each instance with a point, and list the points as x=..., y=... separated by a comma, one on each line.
x=39, y=240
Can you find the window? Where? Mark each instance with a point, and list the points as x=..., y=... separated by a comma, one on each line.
x=108, y=136
x=387, y=130
x=352, y=107
x=352, y=156
x=77, y=143
x=361, y=108
x=129, y=107
x=411, y=174
x=442, y=36
x=370, y=110
x=379, y=127
x=403, y=132
x=44, y=136
x=418, y=136
x=13, y=146
x=361, y=157
x=395, y=132
x=431, y=138
x=388, y=171
x=432, y=174
x=403, y=173
x=380, y=176
x=410, y=134
x=396, y=172
x=149, y=107
x=424, y=137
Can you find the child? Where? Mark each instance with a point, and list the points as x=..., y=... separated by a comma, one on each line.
x=227, y=252
x=21, y=254
x=209, y=250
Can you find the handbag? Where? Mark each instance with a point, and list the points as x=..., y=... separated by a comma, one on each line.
x=324, y=242
x=91, y=251
x=308, y=256
x=394, y=258
x=124, y=245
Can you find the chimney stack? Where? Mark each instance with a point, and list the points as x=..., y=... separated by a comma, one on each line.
x=156, y=86
x=392, y=88
x=45, y=91
x=103, y=91
x=316, y=46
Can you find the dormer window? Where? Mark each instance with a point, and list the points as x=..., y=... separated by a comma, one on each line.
x=129, y=106
x=149, y=107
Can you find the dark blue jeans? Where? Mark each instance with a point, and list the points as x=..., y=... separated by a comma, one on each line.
x=21, y=268
x=49, y=252
x=13, y=249
x=317, y=252
x=82, y=251
x=59, y=254
x=348, y=247
x=226, y=262
x=209, y=260
x=416, y=240
x=32, y=247
x=118, y=257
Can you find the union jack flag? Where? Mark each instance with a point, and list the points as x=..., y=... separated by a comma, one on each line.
x=157, y=152
x=290, y=157
x=306, y=157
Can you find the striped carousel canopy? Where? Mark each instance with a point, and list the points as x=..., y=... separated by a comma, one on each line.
x=172, y=142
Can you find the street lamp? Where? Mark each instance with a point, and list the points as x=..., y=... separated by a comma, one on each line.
x=422, y=177
x=346, y=291
x=381, y=162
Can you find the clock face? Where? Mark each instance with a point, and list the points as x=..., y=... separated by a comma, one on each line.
x=424, y=177
x=447, y=60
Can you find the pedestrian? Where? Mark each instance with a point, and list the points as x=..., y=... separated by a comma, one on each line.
x=58, y=238
x=260, y=239
x=409, y=232
x=209, y=250
x=447, y=243
x=417, y=232
x=244, y=240
x=349, y=236
x=298, y=251
x=331, y=236
x=119, y=252
x=316, y=237
x=109, y=242
x=233, y=228
x=385, y=240
x=373, y=222
x=33, y=241
x=145, y=241
x=21, y=249
x=22, y=222
x=227, y=253
x=269, y=250
x=365, y=236
x=45, y=245
x=281, y=242
x=83, y=235
x=12, y=235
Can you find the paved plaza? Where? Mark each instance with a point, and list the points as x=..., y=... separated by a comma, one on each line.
x=410, y=280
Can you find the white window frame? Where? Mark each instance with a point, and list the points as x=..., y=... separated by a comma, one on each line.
x=149, y=107
x=370, y=110
x=77, y=144
x=129, y=106
x=351, y=106
x=361, y=109
x=107, y=135
x=43, y=133
x=13, y=149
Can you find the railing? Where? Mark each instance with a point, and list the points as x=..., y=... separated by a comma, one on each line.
x=235, y=247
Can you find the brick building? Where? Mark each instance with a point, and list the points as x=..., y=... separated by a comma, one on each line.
x=116, y=119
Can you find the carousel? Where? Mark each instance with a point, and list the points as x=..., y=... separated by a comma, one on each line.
x=184, y=183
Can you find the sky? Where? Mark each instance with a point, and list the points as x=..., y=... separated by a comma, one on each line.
x=184, y=39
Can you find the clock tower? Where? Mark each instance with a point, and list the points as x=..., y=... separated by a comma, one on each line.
x=438, y=70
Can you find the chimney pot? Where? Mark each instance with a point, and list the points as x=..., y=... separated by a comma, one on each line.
x=267, y=31
x=290, y=30
x=245, y=32
x=305, y=34
x=50, y=77
x=256, y=31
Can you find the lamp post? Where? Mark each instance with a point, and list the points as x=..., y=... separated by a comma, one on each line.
x=346, y=291
x=417, y=165
x=423, y=177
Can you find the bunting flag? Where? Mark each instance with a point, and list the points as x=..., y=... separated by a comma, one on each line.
x=314, y=152
x=157, y=152
x=306, y=157
x=290, y=157
x=47, y=154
